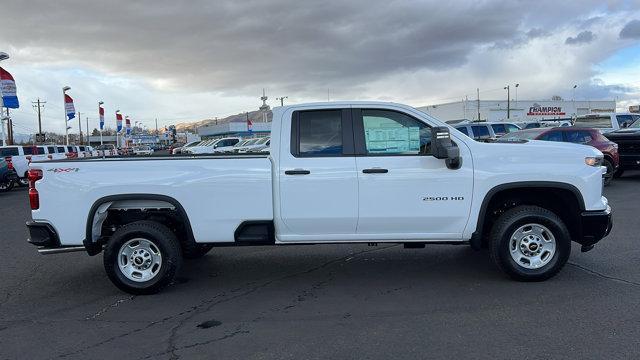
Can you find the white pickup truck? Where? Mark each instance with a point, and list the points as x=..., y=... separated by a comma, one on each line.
x=344, y=172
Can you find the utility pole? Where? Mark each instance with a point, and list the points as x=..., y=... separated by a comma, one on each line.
x=87, y=128
x=39, y=104
x=282, y=99
x=156, y=126
x=9, y=127
x=478, y=102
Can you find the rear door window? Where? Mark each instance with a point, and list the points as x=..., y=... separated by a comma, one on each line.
x=499, y=129
x=578, y=137
x=511, y=128
x=319, y=133
x=552, y=136
x=61, y=149
x=9, y=151
x=599, y=122
x=70, y=149
x=480, y=132
x=463, y=129
x=30, y=150
x=624, y=120
x=51, y=149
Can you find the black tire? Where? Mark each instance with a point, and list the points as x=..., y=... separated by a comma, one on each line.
x=618, y=173
x=6, y=186
x=195, y=251
x=509, y=222
x=165, y=242
x=610, y=172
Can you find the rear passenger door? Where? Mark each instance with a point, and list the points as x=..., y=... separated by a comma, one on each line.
x=318, y=184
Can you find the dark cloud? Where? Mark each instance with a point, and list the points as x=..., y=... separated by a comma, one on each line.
x=232, y=45
x=583, y=37
x=631, y=30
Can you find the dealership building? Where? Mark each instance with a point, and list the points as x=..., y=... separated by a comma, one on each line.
x=516, y=111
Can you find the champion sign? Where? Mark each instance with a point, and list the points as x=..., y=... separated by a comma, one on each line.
x=536, y=109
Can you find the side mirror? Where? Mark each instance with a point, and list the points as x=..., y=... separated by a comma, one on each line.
x=444, y=148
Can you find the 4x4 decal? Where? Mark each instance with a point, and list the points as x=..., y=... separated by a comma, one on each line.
x=64, y=170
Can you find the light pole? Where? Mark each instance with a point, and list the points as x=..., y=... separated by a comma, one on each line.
x=282, y=99
x=508, y=102
x=3, y=56
x=64, y=109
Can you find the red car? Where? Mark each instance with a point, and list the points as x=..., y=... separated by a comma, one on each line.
x=578, y=135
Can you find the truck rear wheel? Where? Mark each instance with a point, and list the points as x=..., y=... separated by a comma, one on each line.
x=529, y=243
x=142, y=257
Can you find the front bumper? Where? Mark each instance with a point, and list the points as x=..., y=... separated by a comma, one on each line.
x=630, y=161
x=594, y=225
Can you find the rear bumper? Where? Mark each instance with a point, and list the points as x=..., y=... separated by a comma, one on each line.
x=42, y=234
x=594, y=226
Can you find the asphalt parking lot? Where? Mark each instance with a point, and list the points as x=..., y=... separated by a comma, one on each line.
x=326, y=301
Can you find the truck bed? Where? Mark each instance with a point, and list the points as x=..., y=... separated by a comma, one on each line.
x=219, y=195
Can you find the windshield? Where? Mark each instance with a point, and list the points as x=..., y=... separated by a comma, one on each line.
x=262, y=141
x=526, y=135
x=598, y=122
x=636, y=123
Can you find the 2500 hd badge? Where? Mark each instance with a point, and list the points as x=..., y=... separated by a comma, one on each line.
x=442, y=198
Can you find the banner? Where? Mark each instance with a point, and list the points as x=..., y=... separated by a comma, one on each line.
x=69, y=108
x=128, y=125
x=8, y=90
x=101, y=112
x=118, y=122
x=249, y=125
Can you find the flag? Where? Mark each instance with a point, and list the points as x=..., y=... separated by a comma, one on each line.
x=118, y=122
x=101, y=112
x=128, y=125
x=249, y=124
x=69, y=108
x=8, y=90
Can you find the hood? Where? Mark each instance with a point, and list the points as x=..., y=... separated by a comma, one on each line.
x=546, y=148
x=624, y=134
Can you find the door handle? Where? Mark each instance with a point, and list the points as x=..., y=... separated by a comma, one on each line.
x=375, y=171
x=297, y=172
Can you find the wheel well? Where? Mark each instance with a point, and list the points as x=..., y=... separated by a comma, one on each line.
x=564, y=202
x=110, y=213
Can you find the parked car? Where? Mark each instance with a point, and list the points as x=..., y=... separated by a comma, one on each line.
x=21, y=156
x=484, y=131
x=237, y=147
x=107, y=150
x=179, y=150
x=8, y=176
x=628, y=140
x=142, y=150
x=576, y=135
x=257, y=146
x=607, y=122
x=396, y=176
x=225, y=145
x=214, y=146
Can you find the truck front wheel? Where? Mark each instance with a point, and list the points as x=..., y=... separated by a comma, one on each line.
x=142, y=257
x=529, y=243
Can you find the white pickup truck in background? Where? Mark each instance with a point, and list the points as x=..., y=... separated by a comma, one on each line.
x=343, y=172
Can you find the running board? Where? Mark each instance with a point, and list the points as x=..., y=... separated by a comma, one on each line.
x=61, y=250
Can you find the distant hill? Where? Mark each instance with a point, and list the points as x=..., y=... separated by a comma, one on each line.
x=254, y=116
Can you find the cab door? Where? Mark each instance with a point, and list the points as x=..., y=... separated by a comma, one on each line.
x=318, y=183
x=403, y=191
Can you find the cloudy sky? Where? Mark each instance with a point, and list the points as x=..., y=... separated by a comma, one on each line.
x=181, y=61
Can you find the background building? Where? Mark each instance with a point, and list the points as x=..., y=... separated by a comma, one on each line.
x=521, y=110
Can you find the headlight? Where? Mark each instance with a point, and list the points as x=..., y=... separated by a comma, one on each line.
x=593, y=160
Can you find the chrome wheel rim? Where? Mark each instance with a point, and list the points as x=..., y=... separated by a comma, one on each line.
x=532, y=246
x=139, y=260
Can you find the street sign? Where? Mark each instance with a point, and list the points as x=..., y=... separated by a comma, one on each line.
x=40, y=138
